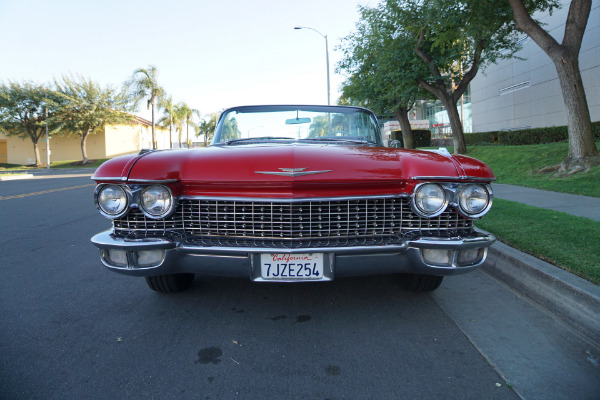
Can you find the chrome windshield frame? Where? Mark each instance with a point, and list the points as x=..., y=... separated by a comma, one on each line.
x=216, y=141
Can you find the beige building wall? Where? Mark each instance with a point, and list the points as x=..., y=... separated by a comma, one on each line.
x=115, y=140
x=3, y=151
x=122, y=139
x=20, y=151
x=63, y=148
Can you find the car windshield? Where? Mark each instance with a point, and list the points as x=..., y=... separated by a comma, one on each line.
x=296, y=123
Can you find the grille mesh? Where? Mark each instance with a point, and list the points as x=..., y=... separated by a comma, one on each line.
x=366, y=221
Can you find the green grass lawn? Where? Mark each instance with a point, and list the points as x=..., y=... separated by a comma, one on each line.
x=13, y=167
x=518, y=165
x=572, y=243
x=569, y=242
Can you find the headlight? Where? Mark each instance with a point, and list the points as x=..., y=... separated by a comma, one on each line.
x=430, y=200
x=474, y=200
x=157, y=201
x=112, y=200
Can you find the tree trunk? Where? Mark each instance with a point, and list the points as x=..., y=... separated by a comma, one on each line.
x=83, y=147
x=582, y=150
x=153, y=133
x=458, y=136
x=407, y=135
x=187, y=133
x=35, y=138
x=581, y=136
x=36, y=152
x=449, y=100
x=170, y=135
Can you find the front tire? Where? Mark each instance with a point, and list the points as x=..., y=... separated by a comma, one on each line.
x=420, y=283
x=171, y=283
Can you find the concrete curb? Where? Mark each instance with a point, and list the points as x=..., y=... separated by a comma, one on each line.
x=571, y=299
x=15, y=177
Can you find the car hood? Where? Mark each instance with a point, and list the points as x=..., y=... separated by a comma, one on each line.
x=292, y=165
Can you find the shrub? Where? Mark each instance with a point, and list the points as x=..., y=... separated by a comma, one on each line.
x=551, y=134
x=481, y=138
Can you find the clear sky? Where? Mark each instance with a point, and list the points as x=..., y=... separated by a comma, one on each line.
x=210, y=54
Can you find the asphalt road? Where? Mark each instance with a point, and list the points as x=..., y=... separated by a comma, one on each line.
x=71, y=329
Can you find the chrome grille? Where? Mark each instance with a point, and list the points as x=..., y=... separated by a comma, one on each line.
x=366, y=221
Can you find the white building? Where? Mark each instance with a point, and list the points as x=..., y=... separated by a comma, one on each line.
x=520, y=94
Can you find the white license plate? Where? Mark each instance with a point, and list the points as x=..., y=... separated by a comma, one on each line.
x=291, y=267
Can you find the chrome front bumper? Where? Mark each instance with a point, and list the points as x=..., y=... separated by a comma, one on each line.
x=155, y=256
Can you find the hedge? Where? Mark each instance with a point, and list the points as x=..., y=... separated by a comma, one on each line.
x=422, y=137
x=550, y=134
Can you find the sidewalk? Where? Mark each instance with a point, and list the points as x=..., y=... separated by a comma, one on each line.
x=569, y=298
x=581, y=206
x=42, y=173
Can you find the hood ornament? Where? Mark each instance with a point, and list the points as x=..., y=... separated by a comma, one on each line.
x=292, y=172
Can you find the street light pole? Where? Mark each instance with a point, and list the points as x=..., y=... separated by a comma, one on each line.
x=47, y=142
x=326, y=56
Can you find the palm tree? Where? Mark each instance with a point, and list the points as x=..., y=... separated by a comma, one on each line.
x=207, y=127
x=178, y=120
x=143, y=83
x=186, y=114
x=169, y=116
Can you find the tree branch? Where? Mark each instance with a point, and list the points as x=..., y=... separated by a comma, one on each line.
x=577, y=19
x=432, y=89
x=470, y=74
x=426, y=57
x=526, y=24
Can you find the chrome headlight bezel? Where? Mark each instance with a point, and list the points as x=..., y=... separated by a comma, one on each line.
x=166, y=195
x=463, y=192
x=102, y=207
x=417, y=203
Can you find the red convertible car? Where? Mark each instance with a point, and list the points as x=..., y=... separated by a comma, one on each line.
x=293, y=194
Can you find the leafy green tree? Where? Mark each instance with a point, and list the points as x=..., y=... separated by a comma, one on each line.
x=83, y=107
x=565, y=56
x=168, y=118
x=383, y=70
x=454, y=40
x=144, y=84
x=23, y=109
x=451, y=39
x=207, y=127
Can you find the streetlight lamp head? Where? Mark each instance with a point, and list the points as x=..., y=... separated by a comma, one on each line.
x=297, y=27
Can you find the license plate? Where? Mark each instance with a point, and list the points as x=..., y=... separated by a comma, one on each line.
x=292, y=267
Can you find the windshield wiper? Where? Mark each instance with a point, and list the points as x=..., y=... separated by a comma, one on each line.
x=336, y=139
x=230, y=141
